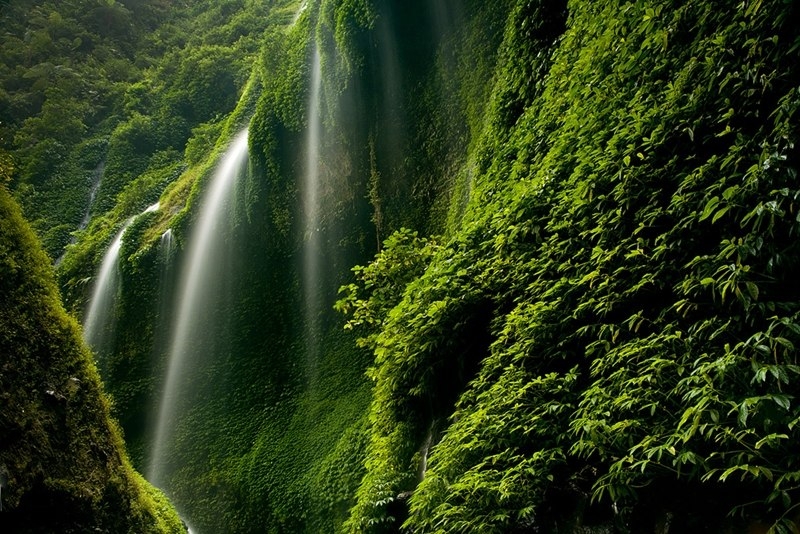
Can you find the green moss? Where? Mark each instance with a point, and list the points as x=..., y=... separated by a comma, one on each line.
x=63, y=458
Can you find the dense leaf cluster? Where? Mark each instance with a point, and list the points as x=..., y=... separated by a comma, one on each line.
x=386, y=72
x=64, y=67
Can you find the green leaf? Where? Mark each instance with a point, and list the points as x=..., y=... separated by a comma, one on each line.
x=728, y=472
x=743, y=413
x=772, y=438
x=752, y=288
x=782, y=401
x=753, y=8
x=720, y=213
x=709, y=209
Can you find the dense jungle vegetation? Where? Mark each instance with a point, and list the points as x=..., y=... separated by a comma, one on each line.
x=547, y=281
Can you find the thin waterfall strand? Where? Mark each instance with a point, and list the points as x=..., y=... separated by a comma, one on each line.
x=97, y=177
x=312, y=249
x=101, y=302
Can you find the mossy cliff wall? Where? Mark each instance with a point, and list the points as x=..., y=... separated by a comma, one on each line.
x=608, y=339
x=63, y=465
x=275, y=435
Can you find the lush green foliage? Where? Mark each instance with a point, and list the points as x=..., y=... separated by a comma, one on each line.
x=62, y=460
x=607, y=331
x=379, y=286
x=629, y=251
x=257, y=451
x=6, y=167
x=368, y=128
x=63, y=70
x=132, y=79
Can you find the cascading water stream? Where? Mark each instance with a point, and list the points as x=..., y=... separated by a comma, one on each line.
x=97, y=177
x=303, y=6
x=97, y=323
x=196, y=284
x=312, y=245
x=391, y=80
x=166, y=294
x=166, y=251
x=445, y=15
x=166, y=245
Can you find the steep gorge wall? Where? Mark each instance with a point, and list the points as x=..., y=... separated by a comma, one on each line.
x=617, y=317
x=63, y=465
x=274, y=427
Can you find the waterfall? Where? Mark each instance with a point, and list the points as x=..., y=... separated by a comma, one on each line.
x=312, y=246
x=165, y=246
x=98, y=323
x=97, y=177
x=166, y=250
x=391, y=113
x=425, y=451
x=166, y=293
x=445, y=15
x=302, y=7
x=195, y=301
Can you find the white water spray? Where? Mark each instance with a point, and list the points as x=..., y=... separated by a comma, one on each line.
x=97, y=177
x=299, y=12
x=166, y=246
x=313, y=138
x=97, y=319
x=391, y=78
x=192, y=303
x=311, y=186
x=166, y=251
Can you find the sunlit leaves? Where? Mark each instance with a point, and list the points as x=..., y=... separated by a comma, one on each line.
x=380, y=285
